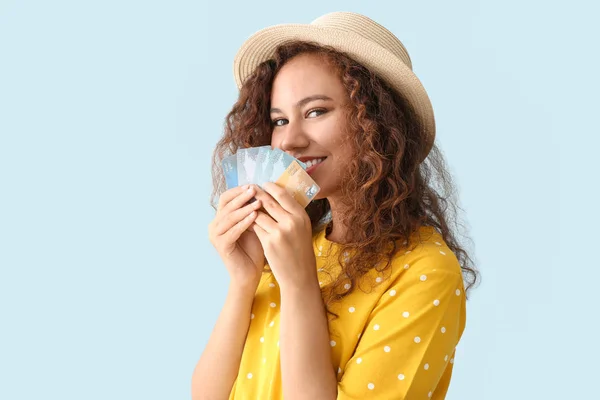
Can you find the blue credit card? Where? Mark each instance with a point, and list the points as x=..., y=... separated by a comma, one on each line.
x=230, y=171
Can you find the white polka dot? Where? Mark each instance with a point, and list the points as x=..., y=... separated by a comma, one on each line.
x=262, y=339
x=271, y=284
x=429, y=394
x=452, y=361
x=446, y=358
x=407, y=252
x=358, y=360
x=436, y=302
x=405, y=314
x=272, y=323
x=392, y=292
x=426, y=366
x=438, y=243
x=458, y=292
x=347, y=286
x=351, y=309
x=442, y=253
x=378, y=279
x=387, y=349
x=339, y=370
x=406, y=266
x=249, y=375
x=443, y=329
x=320, y=283
x=417, y=339
x=376, y=327
x=423, y=278
x=371, y=386
x=401, y=377
x=251, y=316
x=273, y=305
x=332, y=343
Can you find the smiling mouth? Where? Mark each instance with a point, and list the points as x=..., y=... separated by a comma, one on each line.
x=310, y=168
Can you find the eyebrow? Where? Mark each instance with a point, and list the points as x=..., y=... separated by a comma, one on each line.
x=304, y=101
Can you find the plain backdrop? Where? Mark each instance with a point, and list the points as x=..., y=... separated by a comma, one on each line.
x=109, y=111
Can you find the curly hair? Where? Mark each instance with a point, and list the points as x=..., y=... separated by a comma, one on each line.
x=389, y=190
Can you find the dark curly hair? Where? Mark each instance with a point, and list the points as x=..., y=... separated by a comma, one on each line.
x=390, y=191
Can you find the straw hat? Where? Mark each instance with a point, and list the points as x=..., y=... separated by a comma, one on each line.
x=361, y=38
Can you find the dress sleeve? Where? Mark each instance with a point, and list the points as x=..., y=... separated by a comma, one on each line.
x=409, y=339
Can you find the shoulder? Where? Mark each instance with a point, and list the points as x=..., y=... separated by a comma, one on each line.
x=426, y=253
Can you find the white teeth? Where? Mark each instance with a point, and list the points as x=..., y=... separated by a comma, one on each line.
x=316, y=161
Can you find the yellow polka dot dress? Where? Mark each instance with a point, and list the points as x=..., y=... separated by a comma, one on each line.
x=397, y=341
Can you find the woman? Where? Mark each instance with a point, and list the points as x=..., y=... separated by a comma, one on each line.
x=361, y=294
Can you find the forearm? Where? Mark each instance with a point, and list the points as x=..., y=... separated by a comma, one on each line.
x=306, y=368
x=218, y=366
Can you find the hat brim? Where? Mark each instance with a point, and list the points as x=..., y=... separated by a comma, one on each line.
x=261, y=47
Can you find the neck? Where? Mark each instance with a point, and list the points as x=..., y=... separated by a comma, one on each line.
x=336, y=231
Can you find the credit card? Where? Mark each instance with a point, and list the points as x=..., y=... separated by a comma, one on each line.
x=298, y=183
x=230, y=171
x=246, y=165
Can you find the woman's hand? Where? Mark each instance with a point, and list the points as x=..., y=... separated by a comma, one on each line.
x=238, y=247
x=285, y=233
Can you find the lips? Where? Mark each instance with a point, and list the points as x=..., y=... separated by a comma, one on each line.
x=312, y=168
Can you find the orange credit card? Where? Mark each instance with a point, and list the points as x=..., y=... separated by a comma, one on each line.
x=298, y=184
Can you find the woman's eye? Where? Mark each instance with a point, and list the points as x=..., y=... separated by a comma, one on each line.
x=277, y=122
x=319, y=110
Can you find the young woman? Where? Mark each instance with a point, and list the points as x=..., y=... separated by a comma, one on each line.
x=360, y=295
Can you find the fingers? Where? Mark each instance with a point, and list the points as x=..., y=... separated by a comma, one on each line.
x=265, y=222
x=283, y=198
x=228, y=220
x=234, y=193
x=271, y=205
x=233, y=234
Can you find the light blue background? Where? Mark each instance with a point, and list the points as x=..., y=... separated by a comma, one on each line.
x=109, y=111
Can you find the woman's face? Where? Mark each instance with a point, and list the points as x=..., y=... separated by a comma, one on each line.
x=309, y=121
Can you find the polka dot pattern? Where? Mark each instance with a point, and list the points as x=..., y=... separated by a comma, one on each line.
x=421, y=294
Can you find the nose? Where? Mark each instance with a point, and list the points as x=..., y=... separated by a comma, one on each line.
x=293, y=137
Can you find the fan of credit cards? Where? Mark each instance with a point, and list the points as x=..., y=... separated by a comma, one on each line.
x=257, y=165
